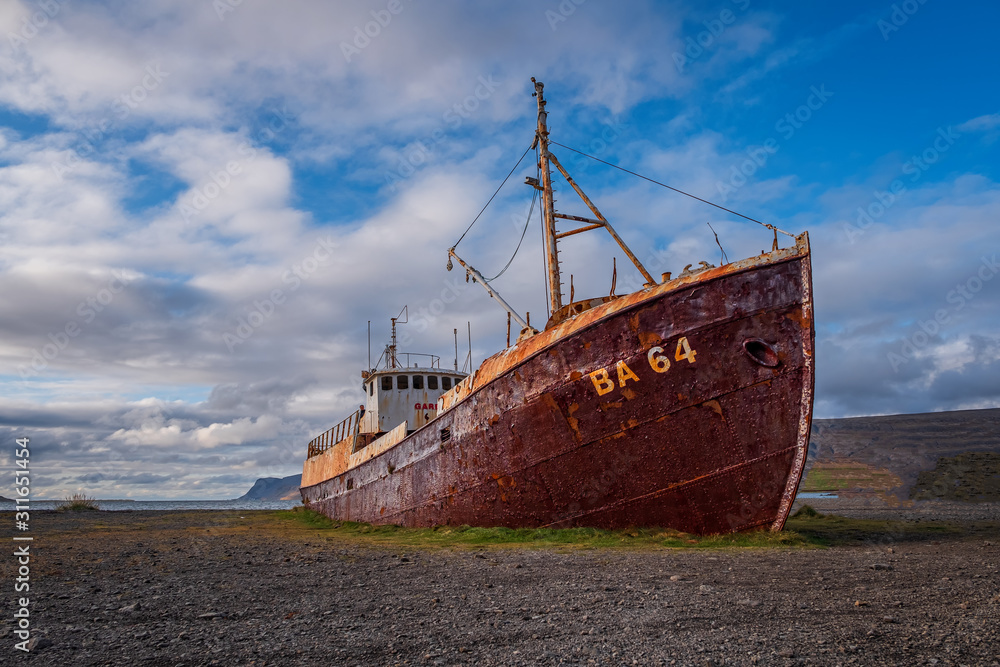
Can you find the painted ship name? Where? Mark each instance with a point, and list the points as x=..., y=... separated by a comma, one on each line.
x=657, y=361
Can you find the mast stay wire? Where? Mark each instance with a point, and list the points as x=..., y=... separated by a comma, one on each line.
x=687, y=194
x=493, y=197
x=527, y=223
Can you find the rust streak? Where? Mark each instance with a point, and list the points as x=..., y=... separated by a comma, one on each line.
x=714, y=406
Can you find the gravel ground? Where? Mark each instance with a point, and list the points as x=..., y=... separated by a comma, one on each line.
x=245, y=588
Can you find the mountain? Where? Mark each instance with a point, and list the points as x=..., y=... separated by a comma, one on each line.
x=946, y=455
x=274, y=488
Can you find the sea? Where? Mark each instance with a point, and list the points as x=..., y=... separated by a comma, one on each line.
x=126, y=505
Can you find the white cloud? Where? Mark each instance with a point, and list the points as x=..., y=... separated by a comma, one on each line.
x=981, y=123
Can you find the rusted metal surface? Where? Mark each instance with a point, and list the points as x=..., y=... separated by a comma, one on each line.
x=345, y=430
x=575, y=308
x=548, y=204
x=341, y=456
x=653, y=409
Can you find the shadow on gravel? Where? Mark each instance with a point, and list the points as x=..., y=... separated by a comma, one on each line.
x=832, y=530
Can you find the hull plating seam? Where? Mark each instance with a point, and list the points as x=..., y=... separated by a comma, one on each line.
x=679, y=485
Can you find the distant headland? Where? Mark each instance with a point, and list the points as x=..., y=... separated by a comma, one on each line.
x=274, y=488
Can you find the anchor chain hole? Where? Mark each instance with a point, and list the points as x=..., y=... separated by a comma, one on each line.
x=761, y=352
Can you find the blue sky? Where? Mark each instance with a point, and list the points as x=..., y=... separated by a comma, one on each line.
x=173, y=170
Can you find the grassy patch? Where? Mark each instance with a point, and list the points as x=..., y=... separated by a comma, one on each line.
x=78, y=502
x=848, y=475
x=833, y=530
x=968, y=477
x=471, y=536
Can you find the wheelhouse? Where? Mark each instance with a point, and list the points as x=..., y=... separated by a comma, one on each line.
x=397, y=395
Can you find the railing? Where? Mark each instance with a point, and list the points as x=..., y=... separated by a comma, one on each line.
x=345, y=429
x=435, y=359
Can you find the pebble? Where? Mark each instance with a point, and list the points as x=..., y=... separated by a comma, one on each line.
x=37, y=643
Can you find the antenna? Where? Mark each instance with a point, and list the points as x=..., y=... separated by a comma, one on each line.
x=469, y=324
x=405, y=314
x=456, y=349
x=369, y=344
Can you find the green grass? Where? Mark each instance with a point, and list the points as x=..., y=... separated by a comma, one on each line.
x=807, y=528
x=833, y=530
x=839, y=476
x=470, y=536
x=78, y=502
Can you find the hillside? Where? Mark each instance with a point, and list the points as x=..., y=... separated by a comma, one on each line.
x=274, y=488
x=923, y=456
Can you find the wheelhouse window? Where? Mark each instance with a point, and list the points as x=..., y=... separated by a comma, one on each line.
x=386, y=382
x=402, y=382
x=432, y=381
x=418, y=381
x=446, y=382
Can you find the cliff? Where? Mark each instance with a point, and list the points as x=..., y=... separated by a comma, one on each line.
x=274, y=488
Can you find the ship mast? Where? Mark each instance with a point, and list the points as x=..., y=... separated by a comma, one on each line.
x=548, y=204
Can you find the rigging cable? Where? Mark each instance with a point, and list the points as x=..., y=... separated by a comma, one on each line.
x=746, y=217
x=724, y=259
x=527, y=222
x=491, y=198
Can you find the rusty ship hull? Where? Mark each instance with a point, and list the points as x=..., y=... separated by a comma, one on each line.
x=684, y=405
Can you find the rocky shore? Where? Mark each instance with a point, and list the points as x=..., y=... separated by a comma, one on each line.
x=257, y=588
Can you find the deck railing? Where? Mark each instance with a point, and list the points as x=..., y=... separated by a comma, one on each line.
x=345, y=429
